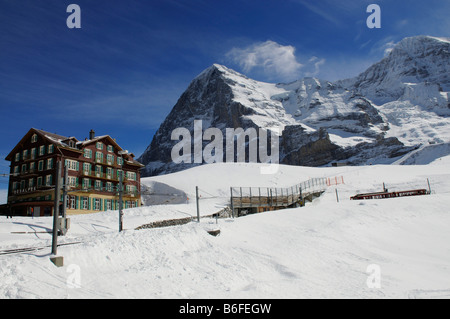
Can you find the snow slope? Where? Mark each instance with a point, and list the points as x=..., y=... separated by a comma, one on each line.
x=320, y=251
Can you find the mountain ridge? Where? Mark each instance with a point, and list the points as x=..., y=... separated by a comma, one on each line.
x=397, y=105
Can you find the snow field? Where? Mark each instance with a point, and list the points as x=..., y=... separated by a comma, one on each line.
x=320, y=251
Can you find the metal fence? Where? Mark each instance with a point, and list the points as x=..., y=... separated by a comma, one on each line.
x=275, y=196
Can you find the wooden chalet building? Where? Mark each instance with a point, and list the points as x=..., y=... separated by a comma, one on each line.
x=93, y=165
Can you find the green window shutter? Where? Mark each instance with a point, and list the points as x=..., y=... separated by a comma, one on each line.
x=78, y=166
x=76, y=202
x=89, y=203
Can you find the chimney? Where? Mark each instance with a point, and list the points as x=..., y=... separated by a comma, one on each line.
x=91, y=134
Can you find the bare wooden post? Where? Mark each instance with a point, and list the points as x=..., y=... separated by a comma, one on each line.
x=337, y=196
x=276, y=197
x=259, y=192
x=271, y=198
x=232, y=204
x=198, y=207
x=301, y=196
x=241, y=195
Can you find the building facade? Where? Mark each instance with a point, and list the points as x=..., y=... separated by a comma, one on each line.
x=94, y=166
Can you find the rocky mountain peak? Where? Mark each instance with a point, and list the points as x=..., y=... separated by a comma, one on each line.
x=397, y=105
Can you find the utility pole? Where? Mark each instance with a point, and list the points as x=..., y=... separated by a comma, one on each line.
x=56, y=209
x=121, y=200
x=198, y=207
x=66, y=183
x=121, y=153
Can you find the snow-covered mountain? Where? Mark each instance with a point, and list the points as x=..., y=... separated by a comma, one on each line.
x=396, y=106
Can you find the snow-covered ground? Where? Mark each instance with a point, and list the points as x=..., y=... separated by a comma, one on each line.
x=327, y=249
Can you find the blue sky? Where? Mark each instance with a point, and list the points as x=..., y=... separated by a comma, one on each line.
x=123, y=71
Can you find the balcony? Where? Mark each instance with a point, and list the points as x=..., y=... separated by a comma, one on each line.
x=106, y=162
x=100, y=175
x=29, y=157
x=29, y=172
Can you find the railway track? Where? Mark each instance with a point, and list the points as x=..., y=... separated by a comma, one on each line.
x=33, y=249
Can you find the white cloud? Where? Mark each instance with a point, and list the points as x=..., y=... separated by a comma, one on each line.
x=388, y=47
x=273, y=59
x=315, y=63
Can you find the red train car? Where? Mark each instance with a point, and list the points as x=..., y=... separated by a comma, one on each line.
x=381, y=195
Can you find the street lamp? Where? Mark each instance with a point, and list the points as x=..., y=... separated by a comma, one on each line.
x=121, y=153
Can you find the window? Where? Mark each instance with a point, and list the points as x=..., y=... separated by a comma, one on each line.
x=72, y=165
x=16, y=170
x=120, y=161
x=31, y=182
x=110, y=148
x=97, y=204
x=98, y=185
x=85, y=203
x=41, y=165
x=108, y=203
x=99, y=145
x=131, y=189
x=48, y=180
x=39, y=181
x=51, y=148
x=15, y=186
x=98, y=171
x=25, y=154
x=110, y=159
x=34, y=138
x=99, y=157
x=24, y=168
x=73, y=181
x=41, y=150
x=17, y=157
x=33, y=153
x=72, y=202
x=87, y=153
x=109, y=172
x=32, y=167
x=50, y=163
x=86, y=183
x=86, y=168
x=109, y=187
x=22, y=184
x=131, y=176
x=130, y=204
